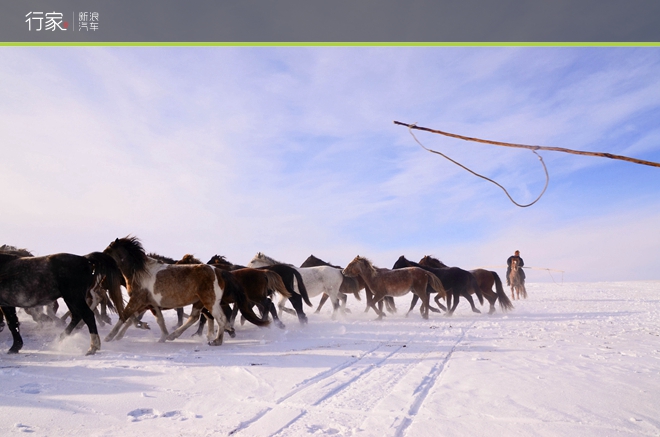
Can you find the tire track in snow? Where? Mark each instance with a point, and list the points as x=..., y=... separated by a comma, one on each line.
x=314, y=382
x=426, y=385
x=351, y=390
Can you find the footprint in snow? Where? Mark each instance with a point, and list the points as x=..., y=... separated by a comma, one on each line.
x=23, y=428
x=149, y=413
x=32, y=388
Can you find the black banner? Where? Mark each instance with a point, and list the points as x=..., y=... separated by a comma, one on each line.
x=331, y=21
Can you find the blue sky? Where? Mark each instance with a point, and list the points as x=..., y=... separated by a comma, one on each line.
x=292, y=151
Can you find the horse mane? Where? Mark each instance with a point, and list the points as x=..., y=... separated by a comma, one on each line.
x=268, y=259
x=317, y=260
x=219, y=259
x=188, y=259
x=136, y=258
x=161, y=258
x=368, y=263
x=13, y=250
x=437, y=260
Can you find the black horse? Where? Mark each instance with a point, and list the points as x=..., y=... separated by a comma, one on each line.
x=457, y=282
x=30, y=282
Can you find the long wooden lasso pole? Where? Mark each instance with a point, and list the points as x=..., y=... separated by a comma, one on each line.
x=523, y=146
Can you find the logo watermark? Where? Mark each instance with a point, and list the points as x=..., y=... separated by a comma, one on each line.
x=56, y=21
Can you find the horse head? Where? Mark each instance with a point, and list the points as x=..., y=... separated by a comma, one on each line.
x=188, y=259
x=13, y=250
x=429, y=261
x=261, y=260
x=129, y=255
x=403, y=262
x=359, y=265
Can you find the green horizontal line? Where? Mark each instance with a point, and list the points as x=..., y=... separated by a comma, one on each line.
x=331, y=44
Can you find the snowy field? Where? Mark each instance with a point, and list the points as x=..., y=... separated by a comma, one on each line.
x=574, y=359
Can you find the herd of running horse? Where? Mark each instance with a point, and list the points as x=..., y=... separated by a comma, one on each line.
x=218, y=290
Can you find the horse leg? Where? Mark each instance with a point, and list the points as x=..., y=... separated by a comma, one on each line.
x=468, y=297
x=219, y=316
x=324, y=298
x=161, y=324
x=424, y=296
x=270, y=306
x=389, y=303
x=283, y=301
x=137, y=321
x=378, y=299
x=456, y=299
x=370, y=299
x=202, y=322
x=194, y=316
x=14, y=328
x=344, y=298
x=437, y=301
x=336, y=304
x=297, y=302
x=413, y=302
x=449, y=301
x=230, y=314
x=80, y=310
x=179, y=318
x=134, y=305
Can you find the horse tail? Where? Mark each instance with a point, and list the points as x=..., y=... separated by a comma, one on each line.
x=275, y=283
x=436, y=284
x=477, y=290
x=233, y=287
x=505, y=303
x=106, y=270
x=301, y=287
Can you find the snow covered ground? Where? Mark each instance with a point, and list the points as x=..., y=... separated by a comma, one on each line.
x=573, y=359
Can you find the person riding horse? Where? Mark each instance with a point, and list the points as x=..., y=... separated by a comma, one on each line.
x=521, y=263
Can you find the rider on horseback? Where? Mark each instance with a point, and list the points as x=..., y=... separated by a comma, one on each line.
x=521, y=263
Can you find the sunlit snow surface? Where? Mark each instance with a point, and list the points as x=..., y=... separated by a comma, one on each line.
x=573, y=359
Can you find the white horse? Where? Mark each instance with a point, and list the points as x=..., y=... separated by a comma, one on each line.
x=318, y=280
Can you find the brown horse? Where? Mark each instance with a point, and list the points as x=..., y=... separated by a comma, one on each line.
x=151, y=284
x=486, y=279
x=516, y=281
x=258, y=285
x=384, y=282
x=350, y=285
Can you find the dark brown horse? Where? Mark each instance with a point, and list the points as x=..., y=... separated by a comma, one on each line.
x=152, y=284
x=486, y=279
x=517, y=281
x=384, y=282
x=291, y=278
x=457, y=283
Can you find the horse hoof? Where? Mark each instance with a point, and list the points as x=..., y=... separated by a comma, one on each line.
x=91, y=351
x=281, y=325
x=215, y=343
x=231, y=333
x=13, y=351
x=477, y=311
